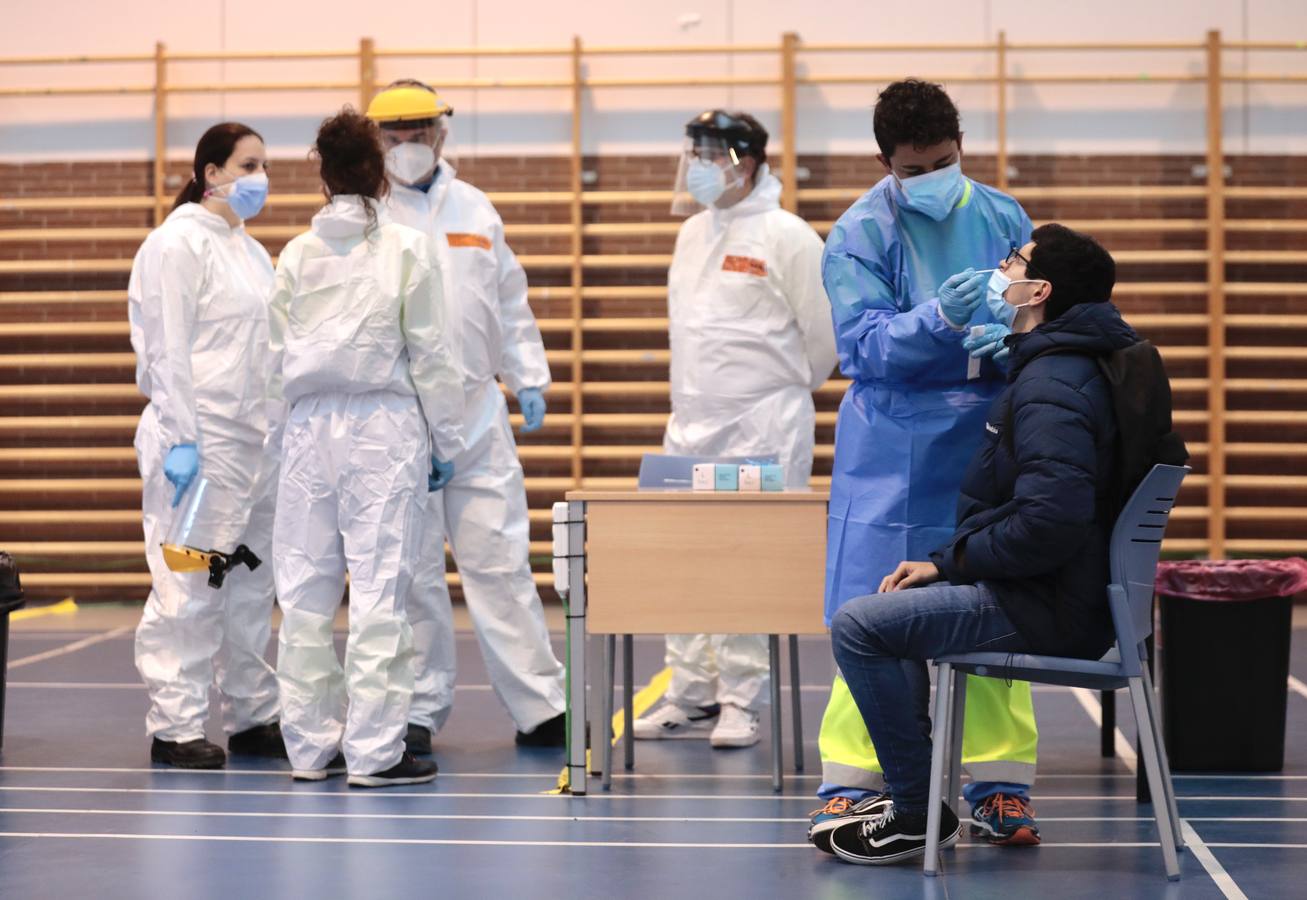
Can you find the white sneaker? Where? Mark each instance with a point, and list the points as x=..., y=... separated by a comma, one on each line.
x=736, y=728
x=671, y=720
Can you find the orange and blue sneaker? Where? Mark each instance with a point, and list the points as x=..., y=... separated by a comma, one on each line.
x=840, y=811
x=1006, y=820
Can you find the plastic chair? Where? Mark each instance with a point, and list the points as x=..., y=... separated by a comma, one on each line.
x=1136, y=544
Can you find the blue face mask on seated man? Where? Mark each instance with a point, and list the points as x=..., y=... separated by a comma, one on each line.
x=935, y=193
x=1003, y=312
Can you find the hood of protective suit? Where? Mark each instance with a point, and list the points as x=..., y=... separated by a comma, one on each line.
x=346, y=216
x=197, y=214
x=765, y=196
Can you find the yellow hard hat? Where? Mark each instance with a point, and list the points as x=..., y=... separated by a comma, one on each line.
x=407, y=103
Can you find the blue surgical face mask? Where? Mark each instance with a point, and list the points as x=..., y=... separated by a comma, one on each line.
x=935, y=193
x=246, y=195
x=1003, y=312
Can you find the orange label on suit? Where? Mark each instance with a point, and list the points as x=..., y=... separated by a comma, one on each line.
x=457, y=239
x=746, y=264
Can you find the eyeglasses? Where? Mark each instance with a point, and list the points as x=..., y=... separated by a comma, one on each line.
x=1015, y=254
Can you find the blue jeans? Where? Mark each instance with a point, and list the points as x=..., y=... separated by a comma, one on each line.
x=881, y=644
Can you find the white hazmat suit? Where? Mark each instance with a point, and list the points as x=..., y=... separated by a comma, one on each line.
x=483, y=510
x=751, y=339
x=198, y=308
x=363, y=361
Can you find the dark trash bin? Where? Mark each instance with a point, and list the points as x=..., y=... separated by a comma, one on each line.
x=1225, y=630
x=11, y=598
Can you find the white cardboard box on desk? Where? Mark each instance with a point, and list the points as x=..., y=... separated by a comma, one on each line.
x=704, y=478
x=750, y=478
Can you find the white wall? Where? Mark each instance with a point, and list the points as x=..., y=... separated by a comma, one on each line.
x=1136, y=118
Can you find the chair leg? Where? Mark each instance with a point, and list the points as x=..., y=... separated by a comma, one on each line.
x=1107, y=739
x=1167, y=783
x=777, y=750
x=957, y=722
x=628, y=698
x=605, y=749
x=796, y=703
x=1148, y=753
x=939, y=745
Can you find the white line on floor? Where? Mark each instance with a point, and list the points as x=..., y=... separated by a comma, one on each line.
x=1201, y=853
x=415, y=816
x=607, y=845
x=72, y=647
x=596, y=796
x=1297, y=686
x=1089, y=702
x=282, y=773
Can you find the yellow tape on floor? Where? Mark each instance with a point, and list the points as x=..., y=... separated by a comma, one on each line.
x=643, y=700
x=65, y=607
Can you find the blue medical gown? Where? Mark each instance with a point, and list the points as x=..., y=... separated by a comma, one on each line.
x=911, y=420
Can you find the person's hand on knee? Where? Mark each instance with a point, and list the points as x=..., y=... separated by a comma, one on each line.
x=910, y=575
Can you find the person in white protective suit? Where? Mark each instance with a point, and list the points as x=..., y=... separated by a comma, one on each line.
x=751, y=340
x=374, y=401
x=482, y=508
x=198, y=309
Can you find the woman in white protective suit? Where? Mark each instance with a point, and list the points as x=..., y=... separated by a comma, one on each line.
x=373, y=404
x=751, y=339
x=197, y=302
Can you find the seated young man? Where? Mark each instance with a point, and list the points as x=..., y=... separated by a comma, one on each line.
x=1026, y=570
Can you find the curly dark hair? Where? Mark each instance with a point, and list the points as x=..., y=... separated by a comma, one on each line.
x=350, y=158
x=916, y=113
x=1077, y=266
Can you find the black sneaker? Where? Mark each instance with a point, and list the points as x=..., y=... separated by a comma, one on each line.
x=335, y=767
x=196, y=754
x=261, y=740
x=549, y=733
x=841, y=811
x=891, y=837
x=418, y=740
x=409, y=770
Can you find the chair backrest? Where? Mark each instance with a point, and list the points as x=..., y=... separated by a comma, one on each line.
x=1137, y=543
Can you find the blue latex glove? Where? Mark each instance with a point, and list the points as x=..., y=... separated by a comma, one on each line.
x=532, y=402
x=961, y=294
x=989, y=343
x=180, y=467
x=441, y=474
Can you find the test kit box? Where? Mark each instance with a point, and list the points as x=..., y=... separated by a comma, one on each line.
x=727, y=477
x=704, y=477
x=773, y=478
x=750, y=478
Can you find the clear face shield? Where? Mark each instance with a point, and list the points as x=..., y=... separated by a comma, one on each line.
x=190, y=544
x=709, y=167
x=414, y=149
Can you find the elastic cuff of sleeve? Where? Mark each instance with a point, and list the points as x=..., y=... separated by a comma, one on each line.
x=949, y=322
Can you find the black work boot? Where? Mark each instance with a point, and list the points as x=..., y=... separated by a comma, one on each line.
x=196, y=754
x=261, y=740
x=550, y=733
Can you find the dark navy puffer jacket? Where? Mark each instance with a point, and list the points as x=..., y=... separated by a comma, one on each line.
x=1034, y=516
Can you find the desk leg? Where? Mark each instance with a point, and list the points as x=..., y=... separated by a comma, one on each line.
x=576, y=721
x=774, y=655
x=796, y=703
x=628, y=699
x=606, y=714
x=596, y=650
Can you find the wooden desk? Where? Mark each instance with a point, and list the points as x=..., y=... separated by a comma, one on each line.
x=682, y=562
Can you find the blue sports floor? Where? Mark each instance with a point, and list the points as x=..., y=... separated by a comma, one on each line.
x=84, y=815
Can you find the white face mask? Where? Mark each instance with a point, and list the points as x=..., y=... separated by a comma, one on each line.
x=1003, y=312
x=706, y=181
x=409, y=162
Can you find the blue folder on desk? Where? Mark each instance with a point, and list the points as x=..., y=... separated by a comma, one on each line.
x=676, y=473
